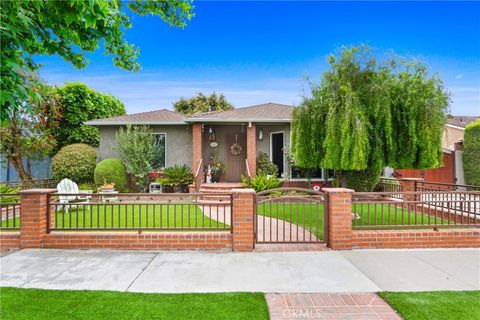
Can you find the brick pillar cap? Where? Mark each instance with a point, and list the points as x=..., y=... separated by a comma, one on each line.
x=338, y=190
x=412, y=179
x=37, y=191
x=244, y=191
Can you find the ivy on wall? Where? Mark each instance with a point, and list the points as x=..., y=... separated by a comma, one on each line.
x=471, y=153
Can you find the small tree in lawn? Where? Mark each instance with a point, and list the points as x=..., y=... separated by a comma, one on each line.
x=138, y=150
x=365, y=115
x=27, y=135
x=202, y=103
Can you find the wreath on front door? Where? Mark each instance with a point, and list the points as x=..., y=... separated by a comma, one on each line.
x=236, y=148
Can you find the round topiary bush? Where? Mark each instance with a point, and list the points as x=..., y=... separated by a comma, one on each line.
x=112, y=170
x=75, y=162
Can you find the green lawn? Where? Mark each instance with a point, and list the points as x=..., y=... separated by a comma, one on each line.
x=32, y=304
x=133, y=216
x=442, y=305
x=310, y=216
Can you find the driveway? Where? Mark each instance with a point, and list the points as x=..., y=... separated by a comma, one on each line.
x=270, y=272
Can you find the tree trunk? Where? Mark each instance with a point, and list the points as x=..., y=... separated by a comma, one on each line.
x=21, y=172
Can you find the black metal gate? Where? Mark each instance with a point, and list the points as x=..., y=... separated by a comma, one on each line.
x=290, y=215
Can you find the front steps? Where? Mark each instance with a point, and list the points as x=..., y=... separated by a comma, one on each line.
x=217, y=193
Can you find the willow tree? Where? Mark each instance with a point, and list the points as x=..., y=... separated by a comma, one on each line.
x=365, y=114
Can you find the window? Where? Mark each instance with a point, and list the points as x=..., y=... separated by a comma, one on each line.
x=160, y=143
x=314, y=174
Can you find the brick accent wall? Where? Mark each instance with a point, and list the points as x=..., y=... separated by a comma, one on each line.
x=339, y=217
x=243, y=206
x=133, y=240
x=401, y=239
x=196, y=144
x=445, y=173
x=9, y=240
x=252, y=149
x=33, y=208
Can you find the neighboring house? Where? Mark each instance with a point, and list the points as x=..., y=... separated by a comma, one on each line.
x=452, y=169
x=193, y=140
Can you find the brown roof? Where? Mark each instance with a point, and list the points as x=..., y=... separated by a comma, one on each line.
x=162, y=116
x=461, y=121
x=268, y=112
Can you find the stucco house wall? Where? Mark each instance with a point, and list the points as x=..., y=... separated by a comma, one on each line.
x=264, y=145
x=178, y=143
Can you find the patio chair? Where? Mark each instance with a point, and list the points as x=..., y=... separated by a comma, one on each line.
x=68, y=186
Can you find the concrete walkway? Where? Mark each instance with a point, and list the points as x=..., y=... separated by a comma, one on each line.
x=270, y=272
x=269, y=228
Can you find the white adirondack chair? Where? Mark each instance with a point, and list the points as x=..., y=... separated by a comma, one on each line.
x=68, y=186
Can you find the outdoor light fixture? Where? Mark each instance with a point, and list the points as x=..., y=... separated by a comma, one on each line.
x=260, y=134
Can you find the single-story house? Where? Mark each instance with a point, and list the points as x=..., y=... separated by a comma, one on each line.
x=194, y=140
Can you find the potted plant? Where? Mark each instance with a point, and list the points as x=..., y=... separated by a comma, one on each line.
x=177, y=177
x=107, y=186
x=217, y=167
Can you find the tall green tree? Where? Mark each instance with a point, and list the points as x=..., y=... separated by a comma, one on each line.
x=28, y=135
x=364, y=115
x=69, y=29
x=202, y=103
x=81, y=103
x=471, y=153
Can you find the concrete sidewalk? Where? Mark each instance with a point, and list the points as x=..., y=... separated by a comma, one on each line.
x=270, y=272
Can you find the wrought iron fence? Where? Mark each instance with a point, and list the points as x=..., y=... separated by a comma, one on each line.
x=384, y=210
x=10, y=211
x=425, y=186
x=32, y=184
x=389, y=185
x=290, y=215
x=139, y=212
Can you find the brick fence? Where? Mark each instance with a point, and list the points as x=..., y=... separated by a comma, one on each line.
x=338, y=216
x=34, y=219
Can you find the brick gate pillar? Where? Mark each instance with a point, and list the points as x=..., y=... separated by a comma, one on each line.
x=252, y=148
x=242, y=219
x=33, y=217
x=410, y=185
x=339, y=217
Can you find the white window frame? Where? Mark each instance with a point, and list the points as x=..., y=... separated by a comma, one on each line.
x=283, y=148
x=165, y=138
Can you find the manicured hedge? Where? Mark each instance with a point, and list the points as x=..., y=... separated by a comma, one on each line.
x=112, y=170
x=471, y=153
x=75, y=162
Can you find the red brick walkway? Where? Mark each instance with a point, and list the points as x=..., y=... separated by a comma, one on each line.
x=355, y=306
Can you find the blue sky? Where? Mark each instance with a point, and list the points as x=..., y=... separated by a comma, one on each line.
x=256, y=52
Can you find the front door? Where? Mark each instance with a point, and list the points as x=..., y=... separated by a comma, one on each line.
x=277, y=151
x=235, y=165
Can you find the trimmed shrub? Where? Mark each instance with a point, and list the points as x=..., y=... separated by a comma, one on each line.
x=112, y=170
x=261, y=182
x=265, y=166
x=362, y=180
x=75, y=162
x=471, y=153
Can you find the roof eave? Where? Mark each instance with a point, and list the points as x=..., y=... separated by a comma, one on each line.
x=123, y=123
x=238, y=120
